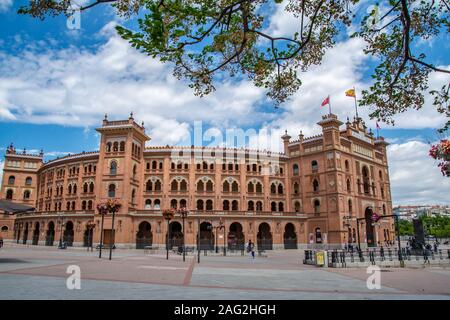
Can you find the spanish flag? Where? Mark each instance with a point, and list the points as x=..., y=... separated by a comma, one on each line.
x=350, y=93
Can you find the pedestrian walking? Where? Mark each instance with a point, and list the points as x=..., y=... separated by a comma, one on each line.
x=251, y=249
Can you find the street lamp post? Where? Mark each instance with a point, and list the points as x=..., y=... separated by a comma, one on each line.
x=220, y=226
x=102, y=211
x=183, y=212
x=168, y=215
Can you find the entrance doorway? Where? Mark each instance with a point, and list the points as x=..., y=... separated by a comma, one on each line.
x=68, y=234
x=176, y=235
x=36, y=231
x=370, y=232
x=50, y=237
x=206, y=236
x=264, y=237
x=236, y=239
x=290, y=236
x=144, y=237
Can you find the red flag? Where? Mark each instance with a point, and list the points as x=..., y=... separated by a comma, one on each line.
x=326, y=101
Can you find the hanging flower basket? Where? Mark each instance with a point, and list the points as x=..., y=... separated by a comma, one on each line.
x=168, y=214
x=110, y=206
x=441, y=151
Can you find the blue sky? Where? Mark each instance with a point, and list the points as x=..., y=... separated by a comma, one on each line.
x=56, y=85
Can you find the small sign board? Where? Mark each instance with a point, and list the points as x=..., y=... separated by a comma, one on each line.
x=320, y=258
x=375, y=217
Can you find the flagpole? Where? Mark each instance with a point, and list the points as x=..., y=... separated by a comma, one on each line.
x=329, y=104
x=356, y=105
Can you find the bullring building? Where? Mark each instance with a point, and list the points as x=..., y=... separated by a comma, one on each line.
x=310, y=195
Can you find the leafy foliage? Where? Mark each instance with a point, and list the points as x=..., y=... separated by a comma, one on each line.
x=438, y=226
x=205, y=39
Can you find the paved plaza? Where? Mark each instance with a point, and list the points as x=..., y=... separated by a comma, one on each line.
x=28, y=272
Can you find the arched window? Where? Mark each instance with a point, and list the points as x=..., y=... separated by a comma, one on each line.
x=160, y=166
x=211, y=166
x=236, y=167
x=173, y=203
x=199, y=166
x=113, y=168
x=183, y=203
x=209, y=185
x=280, y=189
x=85, y=187
x=122, y=146
x=234, y=205
x=209, y=205
x=382, y=192
x=133, y=196
x=259, y=206
x=83, y=205
x=347, y=166
x=254, y=167
x=315, y=185
x=69, y=189
x=226, y=205
x=230, y=167
x=26, y=194
x=200, y=205
x=158, y=185
x=183, y=185
x=154, y=164
x=316, y=206
x=11, y=180
x=314, y=165
x=148, y=204
x=350, y=206
x=358, y=183
x=4, y=229
x=250, y=187
x=116, y=146
x=384, y=209
x=186, y=166
x=91, y=187
x=172, y=165
x=297, y=206
x=68, y=205
x=273, y=206
x=174, y=185
x=251, y=206
x=234, y=187
x=73, y=205
x=295, y=169
x=348, y=185
x=281, y=206
x=112, y=190
x=226, y=186
x=273, y=188
x=157, y=204
x=179, y=165
x=205, y=165
x=296, y=188
x=366, y=185
x=108, y=147
x=258, y=187
x=74, y=189
x=200, y=186
x=28, y=181
x=134, y=171
x=380, y=174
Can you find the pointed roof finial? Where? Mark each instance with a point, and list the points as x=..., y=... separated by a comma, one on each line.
x=106, y=116
x=131, y=115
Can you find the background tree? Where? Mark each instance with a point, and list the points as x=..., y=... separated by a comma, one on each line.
x=204, y=39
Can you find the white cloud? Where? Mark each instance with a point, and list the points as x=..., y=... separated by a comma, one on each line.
x=5, y=5
x=2, y=165
x=415, y=177
x=77, y=87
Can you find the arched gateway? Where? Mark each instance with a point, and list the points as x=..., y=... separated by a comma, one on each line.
x=264, y=237
x=290, y=236
x=144, y=236
x=236, y=239
x=206, y=236
x=50, y=236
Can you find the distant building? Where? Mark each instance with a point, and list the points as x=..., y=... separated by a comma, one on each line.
x=413, y=212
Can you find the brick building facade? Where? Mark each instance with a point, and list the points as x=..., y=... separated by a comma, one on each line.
x=308, y=195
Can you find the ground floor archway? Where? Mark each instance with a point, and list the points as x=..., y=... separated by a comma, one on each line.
x=236, y=238
x=25, y=234
x=88, y=236
x=144, y=236
x=370, y=230
x=175, y=235
x=206, y=236
x=68, y=234
x=50, y=236
x=290, y=236
x=36, y=231
x=264, y=237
